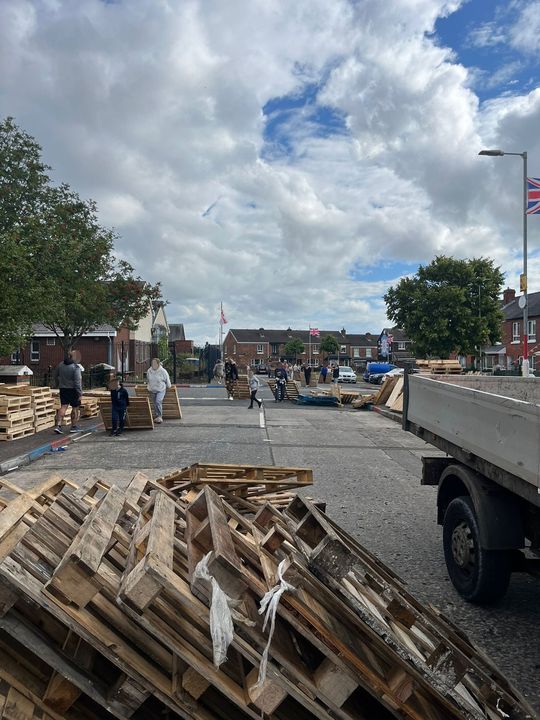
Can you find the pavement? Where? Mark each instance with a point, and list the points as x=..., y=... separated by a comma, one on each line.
x=365, y=467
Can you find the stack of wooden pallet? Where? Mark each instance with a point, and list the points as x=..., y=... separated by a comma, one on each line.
x=105, y=598
x=16, y=417
x=171, y=401
x=380, y=397
x=42, y=403
x=89, y=407
x=138, y=415
x=445, y=367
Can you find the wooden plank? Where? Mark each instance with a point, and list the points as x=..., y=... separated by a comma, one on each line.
x=18, y=706
x=396, y=392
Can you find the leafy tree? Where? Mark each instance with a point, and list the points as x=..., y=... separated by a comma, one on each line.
x=449, y=306
x=24, y=185
x=85, y=284
x=294, y=347
x=329, y=345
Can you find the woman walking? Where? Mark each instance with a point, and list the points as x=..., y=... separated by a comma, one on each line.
x=158, y=381
x=254, y=386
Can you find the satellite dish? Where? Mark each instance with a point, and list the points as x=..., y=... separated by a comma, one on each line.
x=522, y=301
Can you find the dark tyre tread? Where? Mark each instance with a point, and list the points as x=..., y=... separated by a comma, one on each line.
x=486, y=579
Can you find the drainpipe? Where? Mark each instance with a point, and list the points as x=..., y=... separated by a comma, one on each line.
x=110, y=350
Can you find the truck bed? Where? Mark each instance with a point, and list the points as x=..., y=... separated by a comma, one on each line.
x=495, y=419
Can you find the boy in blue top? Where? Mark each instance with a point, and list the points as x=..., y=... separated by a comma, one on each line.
x=119, y=404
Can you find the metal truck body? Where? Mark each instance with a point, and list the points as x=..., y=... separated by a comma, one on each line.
x=488, y=496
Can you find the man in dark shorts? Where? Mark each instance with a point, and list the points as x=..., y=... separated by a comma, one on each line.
x=68, y=378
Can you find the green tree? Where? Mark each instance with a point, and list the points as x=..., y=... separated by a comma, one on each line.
x=24, y=186
x=85, y=284
x=329, y=345
x=294, y=348
x=449, y=306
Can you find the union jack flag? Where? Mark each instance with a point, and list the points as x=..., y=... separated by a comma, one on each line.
x=222, y=319
x=314, y=331
x=533, y=196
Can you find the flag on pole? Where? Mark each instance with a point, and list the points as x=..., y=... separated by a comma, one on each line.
x=533, y=196
x=222, y=319
x=314, y=331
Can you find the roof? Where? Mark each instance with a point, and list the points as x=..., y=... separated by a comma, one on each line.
x=261, y=335
x=512, y=311
x=398, y=334
x=494, y=350
x=39, y=330
x=176, y=332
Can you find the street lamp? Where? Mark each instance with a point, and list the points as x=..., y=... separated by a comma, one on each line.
x=523, y=301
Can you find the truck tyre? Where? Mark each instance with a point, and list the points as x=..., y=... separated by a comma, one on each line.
x=480, y=576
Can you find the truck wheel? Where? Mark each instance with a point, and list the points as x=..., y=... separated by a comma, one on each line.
x=480, y=576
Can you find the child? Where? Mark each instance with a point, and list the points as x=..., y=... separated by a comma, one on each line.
x=119, y=403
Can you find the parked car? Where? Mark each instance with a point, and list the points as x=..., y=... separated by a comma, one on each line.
x=375, y=368
x=346, y=374
x=261, y=369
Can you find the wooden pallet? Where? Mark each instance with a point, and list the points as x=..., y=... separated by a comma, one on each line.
x=171, y=401
x=12, y=403
x=17, y=417
x=26, y=390
x=99, y=580
x=8, y=434
x=241, y=389
x=292, y=389
x=138, y=414
x=45, y=422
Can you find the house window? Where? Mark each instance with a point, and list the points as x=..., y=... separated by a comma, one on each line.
x=356, y=352
x=15, y=358
x=531, y=327
x=260, y=349
x=368, y=352
x=401, y=345
x=532, y=362
x=515, y=332
x=274, y=348
x=343, y=349
x=51, y=341
x=34, y=351
x=315, y=349
x=234, y=349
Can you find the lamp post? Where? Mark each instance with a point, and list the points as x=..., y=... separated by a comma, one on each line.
x=523, y=282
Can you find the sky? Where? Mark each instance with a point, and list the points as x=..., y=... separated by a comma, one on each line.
x=292, y=160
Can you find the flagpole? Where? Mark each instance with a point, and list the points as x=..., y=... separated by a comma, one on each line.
x=309, y=344
x=221, y=331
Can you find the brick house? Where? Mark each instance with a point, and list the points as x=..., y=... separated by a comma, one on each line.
x=262, y=347
x=130, y=350
x=177, y=337
x=394, y=346
x=509, y=353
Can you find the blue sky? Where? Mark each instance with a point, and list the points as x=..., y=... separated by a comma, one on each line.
x=291, y=160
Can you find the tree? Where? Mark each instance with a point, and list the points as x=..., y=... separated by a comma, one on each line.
x=294, y=347
x=85, y=284
x=449, y=306
x=24, y=185
x=329, y=345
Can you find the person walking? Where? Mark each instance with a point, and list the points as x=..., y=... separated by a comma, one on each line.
x=335, y=373
x=231, y=376
x=68, y=379
x=254, y=386
x=119, y=404
x=158, y=382
x=218, y=371
x=281, y=381
x=307, y=374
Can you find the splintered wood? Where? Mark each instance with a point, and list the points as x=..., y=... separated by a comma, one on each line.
x=106, y=595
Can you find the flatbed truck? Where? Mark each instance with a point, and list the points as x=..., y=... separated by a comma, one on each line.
x=488, y=497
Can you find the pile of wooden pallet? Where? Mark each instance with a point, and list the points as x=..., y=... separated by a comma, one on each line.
x=66, y=420
x=112, y=605
x=89, y=407
x=16, y=417
x=42, y=403
x=138, y=415
x=440, y=367
x=383, y=394
x=171, y=401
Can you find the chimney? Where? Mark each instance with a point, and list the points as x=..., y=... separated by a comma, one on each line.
x=508, y=295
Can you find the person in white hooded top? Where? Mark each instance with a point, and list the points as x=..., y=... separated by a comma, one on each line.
x=158, y=380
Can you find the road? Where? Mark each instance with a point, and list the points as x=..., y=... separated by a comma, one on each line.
x=366, y=469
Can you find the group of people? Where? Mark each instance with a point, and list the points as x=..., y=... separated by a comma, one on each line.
x=68, y=379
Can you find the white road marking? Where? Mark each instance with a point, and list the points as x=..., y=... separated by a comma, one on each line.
x=261, y=418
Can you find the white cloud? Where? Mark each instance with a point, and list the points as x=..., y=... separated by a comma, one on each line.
x=155, y=109
x=525, y=33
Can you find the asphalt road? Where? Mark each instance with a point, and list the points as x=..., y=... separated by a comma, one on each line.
x=366, y=469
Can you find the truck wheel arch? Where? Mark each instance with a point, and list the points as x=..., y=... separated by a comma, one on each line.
x=499, y=513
